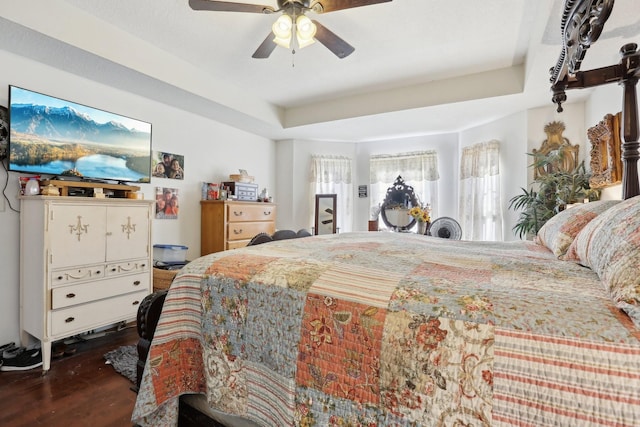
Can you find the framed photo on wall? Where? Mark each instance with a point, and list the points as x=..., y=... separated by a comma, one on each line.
x=167, y=165
x=167, y=205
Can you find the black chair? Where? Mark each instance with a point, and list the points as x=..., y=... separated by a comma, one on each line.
x=259, y=239
x=303, y=233
x=284, y=234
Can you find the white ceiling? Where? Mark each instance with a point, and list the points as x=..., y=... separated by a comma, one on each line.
x=420, y=66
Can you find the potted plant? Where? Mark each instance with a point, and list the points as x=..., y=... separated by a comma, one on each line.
x=422, y=216
x=551, y=192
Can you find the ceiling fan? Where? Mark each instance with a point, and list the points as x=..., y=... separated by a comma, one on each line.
x=293, y=20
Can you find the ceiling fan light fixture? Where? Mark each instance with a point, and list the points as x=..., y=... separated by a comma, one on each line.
x=282, y=31
x=305, y=31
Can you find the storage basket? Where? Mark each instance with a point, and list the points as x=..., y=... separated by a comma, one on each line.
x=162, y=278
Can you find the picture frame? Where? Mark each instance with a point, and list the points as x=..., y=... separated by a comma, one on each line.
x=606, y=155
x=556, y=142
x=167, y=206
x=167, y=165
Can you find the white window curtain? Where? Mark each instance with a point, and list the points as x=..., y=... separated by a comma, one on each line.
x=418, y=169
x=480, y=207
x=332, y=175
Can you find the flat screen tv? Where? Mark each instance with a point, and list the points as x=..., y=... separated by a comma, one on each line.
x=52, y=136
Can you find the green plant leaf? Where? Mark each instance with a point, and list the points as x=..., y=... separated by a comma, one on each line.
x=555, y=189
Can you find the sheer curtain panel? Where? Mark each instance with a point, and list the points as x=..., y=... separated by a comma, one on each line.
x=332, y=175
x=480, y=207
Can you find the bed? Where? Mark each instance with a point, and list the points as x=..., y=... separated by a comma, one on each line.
x=428, y=332
x=399, y=329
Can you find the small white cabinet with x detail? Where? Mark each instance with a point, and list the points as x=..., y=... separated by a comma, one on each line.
x=84, y=263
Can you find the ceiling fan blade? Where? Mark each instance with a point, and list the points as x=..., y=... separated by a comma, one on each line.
x=225, y=6
x=265, y=49
x=324, y=6
x=335, y=44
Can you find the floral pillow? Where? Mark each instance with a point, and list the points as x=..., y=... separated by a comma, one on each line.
x=580, y=246
x=610, y=246
x=558, y=233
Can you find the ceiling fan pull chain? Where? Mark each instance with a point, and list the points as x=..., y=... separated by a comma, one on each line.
x=293, y=49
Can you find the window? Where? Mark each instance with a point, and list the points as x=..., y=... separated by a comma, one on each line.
x=332, y=175
x=418, y=169
x=480, y=207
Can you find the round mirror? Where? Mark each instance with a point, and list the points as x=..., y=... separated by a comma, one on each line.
x=394, y=211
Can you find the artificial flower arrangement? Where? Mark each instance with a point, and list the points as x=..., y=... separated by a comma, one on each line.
x=421, y=214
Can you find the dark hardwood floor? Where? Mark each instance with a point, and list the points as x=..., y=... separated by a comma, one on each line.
x=78, y=390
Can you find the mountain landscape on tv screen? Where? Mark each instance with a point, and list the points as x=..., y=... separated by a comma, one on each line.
x=57, y=140
x=65, y=124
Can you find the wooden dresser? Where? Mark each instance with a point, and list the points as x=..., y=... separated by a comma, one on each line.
x=231, y=224
x=85, y=263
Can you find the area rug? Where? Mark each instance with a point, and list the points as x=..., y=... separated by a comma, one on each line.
x=123, y=360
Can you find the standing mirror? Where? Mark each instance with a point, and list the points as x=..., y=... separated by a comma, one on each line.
x=395, y=208
x=325, y=220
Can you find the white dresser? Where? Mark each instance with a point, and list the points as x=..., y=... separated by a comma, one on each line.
x=84, y=263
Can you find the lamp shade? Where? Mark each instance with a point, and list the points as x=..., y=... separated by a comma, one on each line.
x=305, y=31
x=282, y=31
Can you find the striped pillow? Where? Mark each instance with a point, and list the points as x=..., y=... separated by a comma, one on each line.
x=610, y=246
x=558, y=233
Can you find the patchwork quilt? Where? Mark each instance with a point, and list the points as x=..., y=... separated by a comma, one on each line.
x=393, y=329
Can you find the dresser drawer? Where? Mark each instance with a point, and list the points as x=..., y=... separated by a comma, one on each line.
x=66, y=296
x=83, y=317
x=229, y=224
x=246, y=230
x=239, y=212
x=127, y=267
x=235, y=244
x=73, y=275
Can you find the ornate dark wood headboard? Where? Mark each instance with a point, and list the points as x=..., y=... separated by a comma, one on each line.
x=582, y=24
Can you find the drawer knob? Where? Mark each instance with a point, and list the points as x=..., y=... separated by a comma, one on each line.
x=136, y=283
x=114, y=269
x=98, y=272
x=136, y=302
x=69, y=319
x=235, y=231
x=72, y=295
x=143, y=265
x=267, y=213
x=236, y=213
x=60, y=277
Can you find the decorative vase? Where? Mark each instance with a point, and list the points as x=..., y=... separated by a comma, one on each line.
x=422, y=227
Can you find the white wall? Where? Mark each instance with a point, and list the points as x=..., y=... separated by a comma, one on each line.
x=295, y=206
x=604, y=100
x=511, y=132
x=212, y=151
